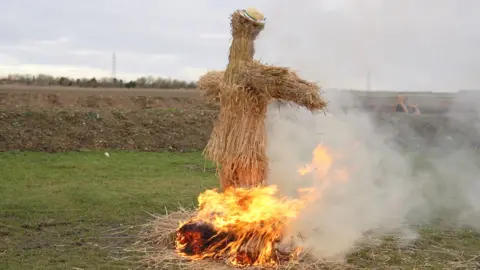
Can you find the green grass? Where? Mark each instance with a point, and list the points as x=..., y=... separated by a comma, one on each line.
x=59, y=211
x=82, y=210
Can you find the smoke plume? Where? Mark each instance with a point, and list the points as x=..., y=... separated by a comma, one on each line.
x=389, y=189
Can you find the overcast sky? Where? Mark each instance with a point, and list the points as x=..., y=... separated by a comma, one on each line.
x=404, y=44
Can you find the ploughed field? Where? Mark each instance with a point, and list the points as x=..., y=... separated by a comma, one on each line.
x=68, y=119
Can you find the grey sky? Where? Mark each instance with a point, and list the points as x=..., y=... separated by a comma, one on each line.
x=407, y=45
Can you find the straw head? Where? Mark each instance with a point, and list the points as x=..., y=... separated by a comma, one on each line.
x=253, y=15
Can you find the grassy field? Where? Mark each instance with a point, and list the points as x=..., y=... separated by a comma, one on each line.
x=82, y=210
x=60, y=211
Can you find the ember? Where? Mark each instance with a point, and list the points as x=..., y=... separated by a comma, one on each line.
x=195, y=238
x=198, y=240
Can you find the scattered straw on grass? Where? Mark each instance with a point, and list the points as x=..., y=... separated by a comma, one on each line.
x=434, y=249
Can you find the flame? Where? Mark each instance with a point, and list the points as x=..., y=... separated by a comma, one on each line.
x=322, y=162
x=245, y=226
x=248, y=225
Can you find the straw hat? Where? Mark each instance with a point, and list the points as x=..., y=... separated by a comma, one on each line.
x=253, y=15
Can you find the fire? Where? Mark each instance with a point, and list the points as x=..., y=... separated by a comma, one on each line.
x=242, y=225
x=322, y=164
x=245, y=226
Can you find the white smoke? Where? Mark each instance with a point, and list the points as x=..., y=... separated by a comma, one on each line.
x=388, y=189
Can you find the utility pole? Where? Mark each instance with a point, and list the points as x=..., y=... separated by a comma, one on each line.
x=114, y=66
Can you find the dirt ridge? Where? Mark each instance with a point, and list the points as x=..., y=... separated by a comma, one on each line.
x=69, y=119
x=145, y=130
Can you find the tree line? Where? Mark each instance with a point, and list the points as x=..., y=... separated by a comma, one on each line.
x=142, y=82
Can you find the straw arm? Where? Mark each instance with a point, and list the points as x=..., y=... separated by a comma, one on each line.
x=282, y=84
x=303, y=93
x=210, y=84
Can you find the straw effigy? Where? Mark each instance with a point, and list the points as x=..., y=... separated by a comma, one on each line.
x=238, y=141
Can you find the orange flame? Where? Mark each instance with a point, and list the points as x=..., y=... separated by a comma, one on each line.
x=254, y=218
x=245, y=226
x=321, y=162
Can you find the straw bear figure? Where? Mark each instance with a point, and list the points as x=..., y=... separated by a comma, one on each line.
x=238, y=140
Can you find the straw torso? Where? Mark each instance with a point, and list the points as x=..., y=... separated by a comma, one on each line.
x=238, y=140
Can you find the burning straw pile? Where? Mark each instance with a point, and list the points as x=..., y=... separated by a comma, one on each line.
x=242, y=226
x=238, y=227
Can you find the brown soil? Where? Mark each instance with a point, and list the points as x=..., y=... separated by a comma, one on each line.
x=72, y=119
x=145, y=130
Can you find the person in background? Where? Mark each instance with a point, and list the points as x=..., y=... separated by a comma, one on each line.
x=403, y=106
